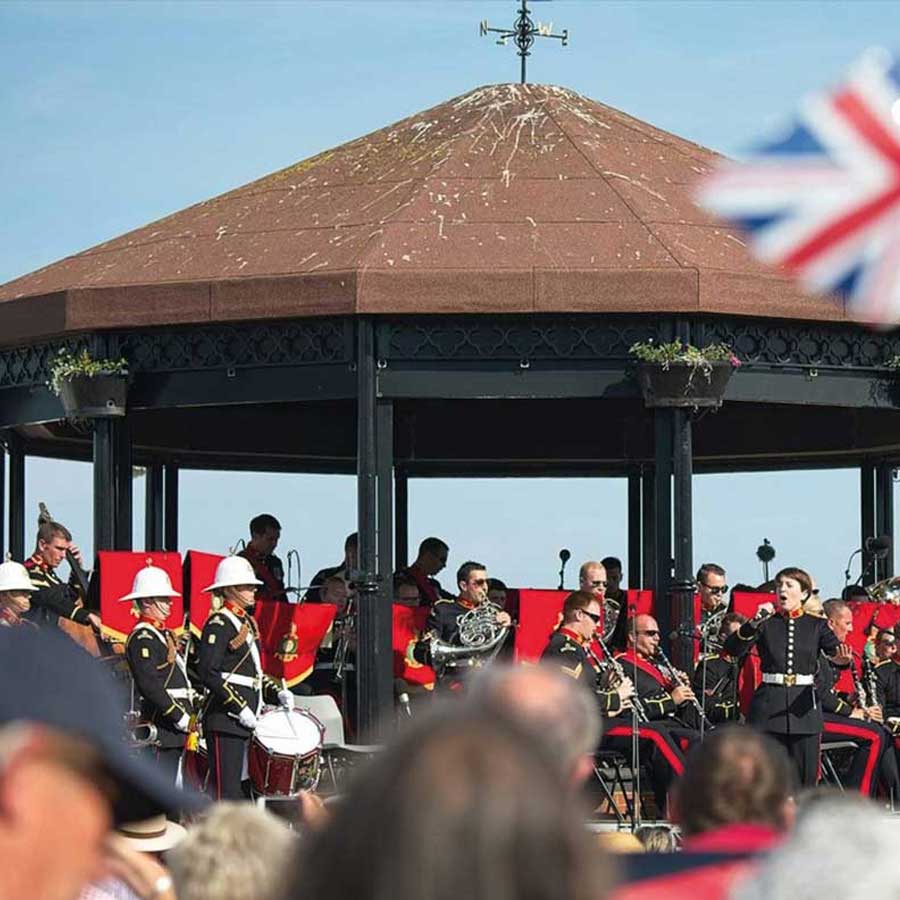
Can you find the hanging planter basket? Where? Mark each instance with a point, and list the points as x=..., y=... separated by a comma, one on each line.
x=684, y=384
x=94, y=396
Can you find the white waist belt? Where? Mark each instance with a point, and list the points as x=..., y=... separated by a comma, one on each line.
x=787, y=680
x=180, y=693
x=249, y=681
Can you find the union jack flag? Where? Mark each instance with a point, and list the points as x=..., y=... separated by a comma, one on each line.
x=823, y=202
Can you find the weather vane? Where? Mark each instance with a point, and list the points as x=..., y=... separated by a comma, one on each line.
x=523, y=33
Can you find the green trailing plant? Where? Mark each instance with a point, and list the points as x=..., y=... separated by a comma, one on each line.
x=674, y=352
x=67, y=365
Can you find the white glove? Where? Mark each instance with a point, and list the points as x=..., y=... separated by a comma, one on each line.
x=184, y=723
x=286, y=699
x=247, y=718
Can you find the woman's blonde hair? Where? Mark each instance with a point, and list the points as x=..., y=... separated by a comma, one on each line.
x=237, y=852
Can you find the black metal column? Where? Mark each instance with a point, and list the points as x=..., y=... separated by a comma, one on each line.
x=401, y=520
x=634, y=529
x=382, y=643
x=373, y=701
x=683, y=587
x=153, y=508
x=16, y=496
x=662, y=580
x=170, y=495
x=884, y=516
x=866, y=518
x=104, y=485
x=648, y=498
x=123, y=475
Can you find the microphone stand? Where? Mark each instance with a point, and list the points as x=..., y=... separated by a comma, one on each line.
x=564, y=557
x=635, y=734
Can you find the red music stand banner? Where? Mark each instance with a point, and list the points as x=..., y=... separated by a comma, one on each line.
x=750, y=677
x=640, y=602
x=115, y=572
x=200, y=570
x=290, y=635
x=407, y=628
x=539, y=614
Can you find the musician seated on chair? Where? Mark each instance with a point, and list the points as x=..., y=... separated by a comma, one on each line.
x=885, y=645
x=343, y=569
x=853, y=715
x=406, y=591
x=569, y=650
x=53, y=598
x=168, y=701
x=443, y=623
x=712, y=588
x=717, y=674
x=431, y=559
x=229, y=667
x=265, y=532
x=666, y=695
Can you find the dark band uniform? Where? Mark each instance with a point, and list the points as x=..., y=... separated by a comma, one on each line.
x=269, y=570
x=663, y=740
x=873, y=757
x=567, y=651
x=720, y=696
x=160, y=676
x=53, y=598
x=786, y=705
x=887, y=677
x=229, y=666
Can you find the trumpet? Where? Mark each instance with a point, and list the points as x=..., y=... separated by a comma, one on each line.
x=612, y=663
x=679, y=678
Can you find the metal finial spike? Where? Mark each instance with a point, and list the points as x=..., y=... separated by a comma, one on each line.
x=523, y=33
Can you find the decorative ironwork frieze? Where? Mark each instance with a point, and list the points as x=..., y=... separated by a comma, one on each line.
x=281, y=343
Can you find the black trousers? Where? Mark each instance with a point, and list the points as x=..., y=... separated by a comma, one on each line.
x=658, y=748
x=873, y=761
x=803, y=751
x=226, y=761
x=166, y=758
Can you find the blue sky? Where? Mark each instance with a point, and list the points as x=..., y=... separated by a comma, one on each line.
x=117, y=113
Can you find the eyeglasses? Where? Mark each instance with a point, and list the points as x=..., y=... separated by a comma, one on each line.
x=479, y=581
x=599, y=583
x=718, y=589
x=650, y=633
x=815, y=592
x=594, y=617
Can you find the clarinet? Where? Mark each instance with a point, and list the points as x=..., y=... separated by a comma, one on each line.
x=619, y=672
x=676, y=676
x=871, y=681
x=859, y=688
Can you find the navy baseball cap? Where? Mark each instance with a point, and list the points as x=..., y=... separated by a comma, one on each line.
x=50, y=681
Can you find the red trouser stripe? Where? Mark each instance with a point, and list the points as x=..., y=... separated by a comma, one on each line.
x=860, y=734
x=649, y=735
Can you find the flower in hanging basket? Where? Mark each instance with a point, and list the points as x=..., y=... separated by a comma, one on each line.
x=676, y=374
x=89, y=387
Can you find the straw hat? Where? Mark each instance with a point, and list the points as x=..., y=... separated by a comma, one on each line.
x=151, y=835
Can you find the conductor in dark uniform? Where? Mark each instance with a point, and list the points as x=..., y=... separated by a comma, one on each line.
x=229, y=666
x=567, y=649
x=159, y=671
x=785, y=704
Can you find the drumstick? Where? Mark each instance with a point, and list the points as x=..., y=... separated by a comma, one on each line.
x=287, y=712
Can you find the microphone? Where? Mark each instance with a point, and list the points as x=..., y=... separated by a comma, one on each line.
x=564, y=557
x=401, y=692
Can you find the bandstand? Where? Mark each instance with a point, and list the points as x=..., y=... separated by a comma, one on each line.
x=452, y=295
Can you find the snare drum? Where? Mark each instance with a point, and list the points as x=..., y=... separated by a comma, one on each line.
x=285, y=753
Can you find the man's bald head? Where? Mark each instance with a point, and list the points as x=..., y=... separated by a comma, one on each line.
x=559, y=711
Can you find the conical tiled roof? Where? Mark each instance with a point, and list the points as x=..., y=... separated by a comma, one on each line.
x=510, y=198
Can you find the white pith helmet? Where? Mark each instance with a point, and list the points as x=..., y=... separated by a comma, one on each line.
x=14, y=577
x=151, y=581
x=231, y=572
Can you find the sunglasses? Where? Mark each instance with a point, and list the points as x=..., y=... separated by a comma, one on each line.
x=650, y=633
x=599, y=583
x=480, y=581
x=594, y=617
x=720, y=589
